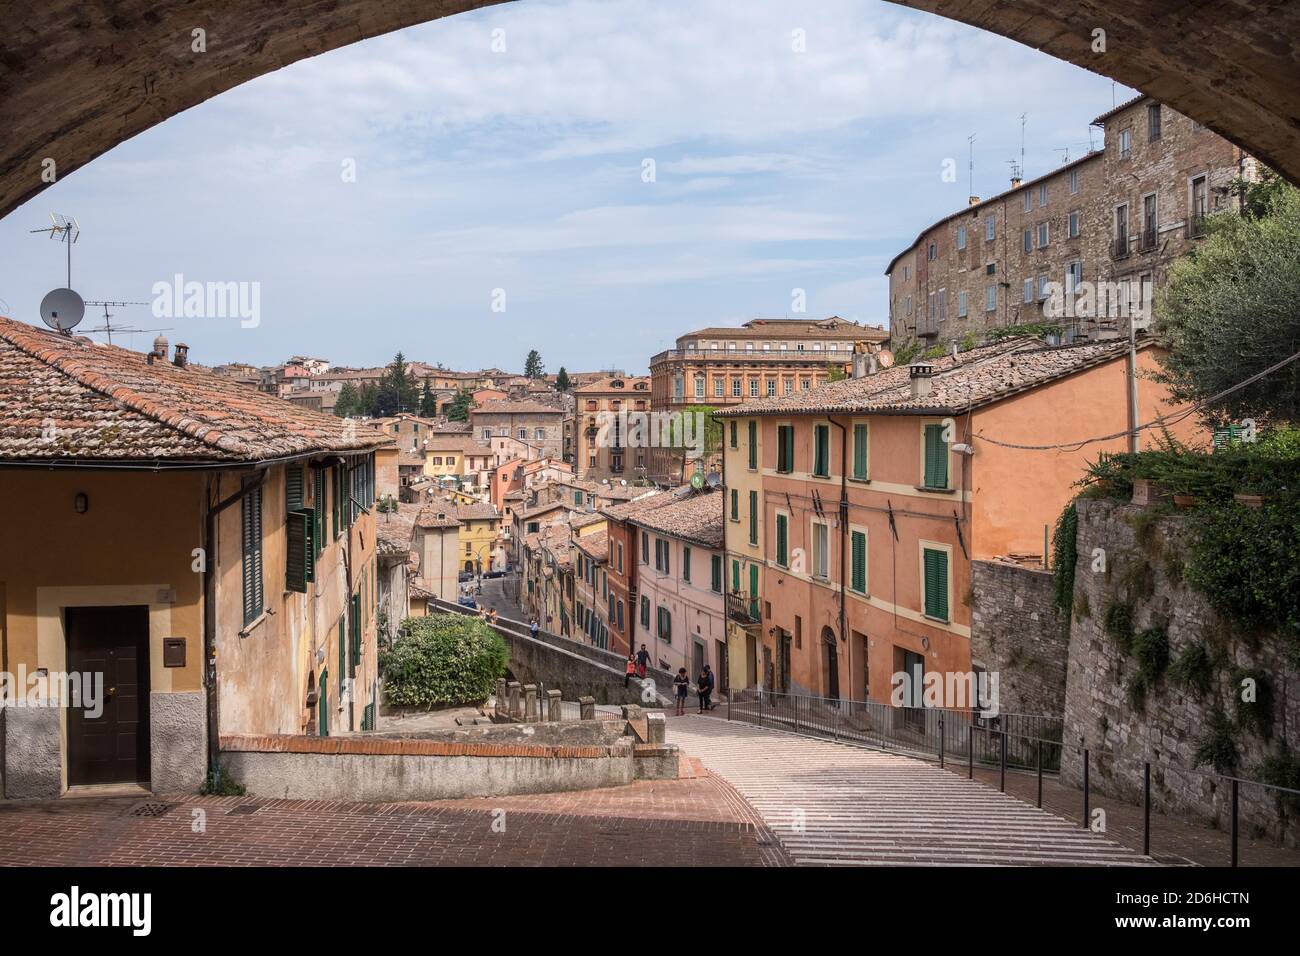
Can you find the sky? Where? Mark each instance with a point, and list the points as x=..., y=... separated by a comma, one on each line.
x=589, y=178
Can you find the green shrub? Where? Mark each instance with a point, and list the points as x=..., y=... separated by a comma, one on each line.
x=1282, y=770
x=1256, y=715
x=1150, y=649
x=221, y=785
x=1217, y=747
x=1117, y=621
x=1193, y=669
x=1065, y=554
x=443, y=659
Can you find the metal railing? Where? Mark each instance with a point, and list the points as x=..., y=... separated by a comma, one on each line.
x=1119, y=247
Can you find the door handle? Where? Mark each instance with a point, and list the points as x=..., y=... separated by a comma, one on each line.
x=111, y=692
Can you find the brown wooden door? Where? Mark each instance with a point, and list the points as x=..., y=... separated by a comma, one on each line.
x=113, y=747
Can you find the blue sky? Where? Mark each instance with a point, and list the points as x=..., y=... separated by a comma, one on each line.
x=522, y=170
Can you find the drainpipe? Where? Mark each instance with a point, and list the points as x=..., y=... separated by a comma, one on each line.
x=726, y=600
x=844, y=537
x=210, y=611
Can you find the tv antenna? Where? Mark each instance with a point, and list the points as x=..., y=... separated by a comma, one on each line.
x=63, y=229
x=108, y=328
x=1023, y=117
x=970, y=166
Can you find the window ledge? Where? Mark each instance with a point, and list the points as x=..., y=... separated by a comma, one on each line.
x=931, y=617
x=860, y=481
x=937, y=491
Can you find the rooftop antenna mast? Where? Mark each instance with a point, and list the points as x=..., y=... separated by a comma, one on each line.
x=63, y=229
x=970, y=166
x=108, y=329
x=1022, y=143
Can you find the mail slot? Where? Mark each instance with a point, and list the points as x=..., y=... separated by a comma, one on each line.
x=173, y=652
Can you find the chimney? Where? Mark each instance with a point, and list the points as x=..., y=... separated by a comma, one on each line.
x=1015, y=182
x=973, y=200
x=920, y=374
x=182, y=355
x=863, y=364
x=159, y=349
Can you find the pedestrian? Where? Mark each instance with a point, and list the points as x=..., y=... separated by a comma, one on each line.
x=704, y=687
x=631, y=669
x=642, y=661
x=533, y=628
x=683, y=685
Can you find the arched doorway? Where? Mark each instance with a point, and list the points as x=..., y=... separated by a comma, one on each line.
x=831, y=653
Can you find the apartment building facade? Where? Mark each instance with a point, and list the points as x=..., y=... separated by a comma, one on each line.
x=878, y=492
x=602, y=440
x=1103, y=228
x=538, y=426
x=593, y=605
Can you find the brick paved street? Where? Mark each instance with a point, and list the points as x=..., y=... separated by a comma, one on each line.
x=645, y=824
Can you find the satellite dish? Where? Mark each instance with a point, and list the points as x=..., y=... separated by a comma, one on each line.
x=62, y=309
x=697, y=480
x=885, y=358
x=714, y=479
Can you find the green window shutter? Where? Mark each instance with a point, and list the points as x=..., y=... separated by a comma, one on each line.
x=753, y=444
x=297, y=526
x=293, y=488
x=323, y=703
x=251, y=547
x=936, y=584
x=716, y=573
x=753, y=590
x=368, y=717
x=343, y=649
x=318, y=509
x=356, y=631
x=785, y=449
x=735, y=575
x=821, y=453
x=753, y=517
x=735, y=505
x=860, y=451
x=859, y=578
x=782, y=540
x=686, y=564
x=732, y=429
x=936, y=457
x=645, y=611
x=577, y=498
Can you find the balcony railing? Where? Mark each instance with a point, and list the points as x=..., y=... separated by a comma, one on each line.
x=1196, y=225
x=1119, y=247
x=1147, y=242
x=742, y=608
x=740, y=357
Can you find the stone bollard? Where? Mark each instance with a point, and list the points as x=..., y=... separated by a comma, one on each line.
x=587, y=708
x=553, y=710
x=530, y=703
x=631, y=712
x=516, y=703
x=501, y=705
x=656, y=728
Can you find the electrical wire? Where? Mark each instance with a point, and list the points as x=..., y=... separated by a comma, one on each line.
x=1163, y=421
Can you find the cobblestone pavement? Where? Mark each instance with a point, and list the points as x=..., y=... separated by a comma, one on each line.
x=832, y=804
x=649, y=823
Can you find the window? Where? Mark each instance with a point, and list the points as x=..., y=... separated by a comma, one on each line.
x=1121, y=229
x=1042, y=194
x=1042, y=285
x=990, y=298
x=1200, y=206
x=645, y=611
x=661, y=555
x=753, y=388
x=1072, y=229
x=1125, y=143
x=753, y=443
x=753, y=517
x=935, y=568
x=783, y=540
x=821, y=550
x=645, y=547
x=961, y=237
x=822, y=451
x=523, y=434
x=805, y=384
x=943, y=304
x=665, y=625
x=860, y=451
x=1073, y=277
x=785, y=448
x=1074, y=182
x=735, y=505
x=539, y=433
x=1153, y=122
x=858, y=561
x=1029, y=290
x=936, y=457
x=251, y=548
x=735, y=388
x=990, y=227
x=1043, y=234
x=930, y=253
x=731, y=433
x=715, y=573
x=699, y=386
x=1029, y=240
x=718, y=386
x=771, y=388
x=789, y=386
x=686, y=565
x=1029, y=200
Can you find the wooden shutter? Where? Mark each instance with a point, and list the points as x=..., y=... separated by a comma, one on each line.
x=781, y=542
x=686, y=564
x=735, y=575
x=293, y=488
x=297, y=527
x=936, y=584
x=860, y=451
x=251, y=548
x=936, y=457
x=318, y=512
x=323, y=703
x=859, y=580
x=343, y=649
x=356, y=631
x=645, y=611
x=753, y=517
x=753, y=591
x=716, y=582
x=821, y=450
x=753, y=444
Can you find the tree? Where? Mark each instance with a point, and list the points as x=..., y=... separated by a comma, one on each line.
x=562, y=380
x=368, y=400
x=346, y=403
x=443, y=659
x=835, y=373
x=1228, y=311
x=428, y=404
x=533, y=367
x=397, y=388
x=458, y=410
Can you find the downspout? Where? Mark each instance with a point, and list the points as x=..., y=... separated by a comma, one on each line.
x=210, y=613
x=726, y=601
x=844, y=533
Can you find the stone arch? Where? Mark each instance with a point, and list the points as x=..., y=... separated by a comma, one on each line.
x=77, y=79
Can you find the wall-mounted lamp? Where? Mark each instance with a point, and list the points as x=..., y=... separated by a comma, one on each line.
x=81, y=503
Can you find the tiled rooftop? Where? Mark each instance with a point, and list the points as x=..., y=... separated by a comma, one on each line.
x=393, y=529
x=67, y=398
x=516, y=408
x=436, y=515
x=976, y=378
x=594, y=545
x=697, y=518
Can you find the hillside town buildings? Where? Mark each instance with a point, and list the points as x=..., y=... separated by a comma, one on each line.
x=602, y=408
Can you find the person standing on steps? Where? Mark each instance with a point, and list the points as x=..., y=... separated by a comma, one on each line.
x=683, y=685
x=642, y=661
x=631, y=669
x=704, y=687
x=533, y=628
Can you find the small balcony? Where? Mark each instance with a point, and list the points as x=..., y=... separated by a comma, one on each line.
x=743, y=608
x=1196, y=225
x=1119, y=247
x=1147, y=241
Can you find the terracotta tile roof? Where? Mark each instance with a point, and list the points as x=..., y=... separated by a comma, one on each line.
x=977, y=378
x=478, y=511
x=630, y=509
x=543, y=508
x=66, y=398
x=582, y=520
x=393, y=529
x=595, y=545
x=436, y=516
x=697, y=519
x=829, y=328
x=446, y=426
x=630, y=383
x=455, y=441
x=516, y=408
